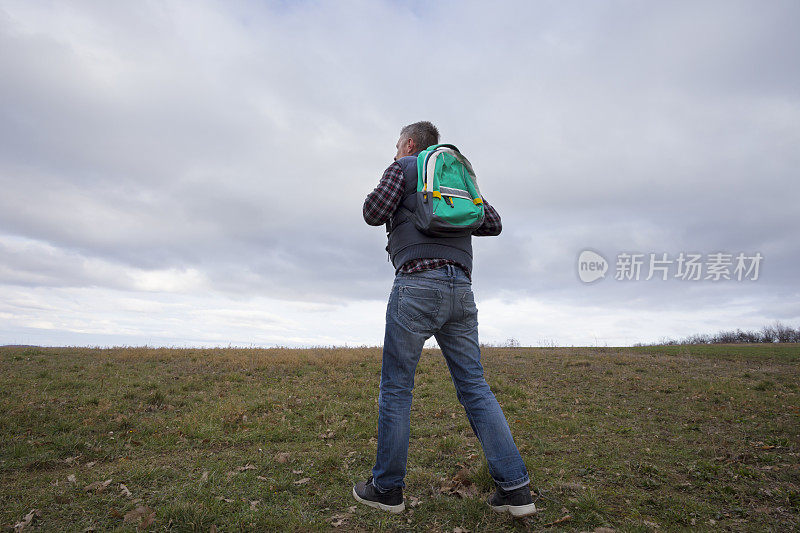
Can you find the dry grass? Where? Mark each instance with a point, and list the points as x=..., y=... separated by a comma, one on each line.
x=667, y=438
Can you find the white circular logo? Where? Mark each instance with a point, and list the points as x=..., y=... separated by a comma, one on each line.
x=591, y=266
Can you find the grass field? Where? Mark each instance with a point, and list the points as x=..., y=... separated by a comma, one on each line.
x=635, y=439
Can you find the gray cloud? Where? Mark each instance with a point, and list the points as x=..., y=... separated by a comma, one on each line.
x=236, y=143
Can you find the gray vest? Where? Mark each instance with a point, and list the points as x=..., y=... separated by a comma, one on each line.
x=406, y=242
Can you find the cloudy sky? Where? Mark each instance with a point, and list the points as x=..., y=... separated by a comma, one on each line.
x=192, y=173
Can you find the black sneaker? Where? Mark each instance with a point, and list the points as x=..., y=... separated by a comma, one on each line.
x=392, y=500
x=518, y=502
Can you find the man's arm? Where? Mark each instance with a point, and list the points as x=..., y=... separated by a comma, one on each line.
x=491, y=222
x=382, y=202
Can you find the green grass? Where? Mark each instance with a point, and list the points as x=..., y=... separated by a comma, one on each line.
x=666, y=437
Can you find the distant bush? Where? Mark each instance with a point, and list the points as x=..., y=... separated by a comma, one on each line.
x=768, y=334
x=510, y=342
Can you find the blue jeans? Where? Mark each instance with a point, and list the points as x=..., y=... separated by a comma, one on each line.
x=438, y=302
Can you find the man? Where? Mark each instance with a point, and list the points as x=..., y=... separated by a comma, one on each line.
x=432, y=295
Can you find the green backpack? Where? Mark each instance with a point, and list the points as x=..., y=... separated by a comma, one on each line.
x=448, y=201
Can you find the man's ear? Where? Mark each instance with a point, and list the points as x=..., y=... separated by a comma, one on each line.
x=412, y=146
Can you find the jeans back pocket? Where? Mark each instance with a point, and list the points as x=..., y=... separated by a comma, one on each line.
x=469, y=308
x=418, y=307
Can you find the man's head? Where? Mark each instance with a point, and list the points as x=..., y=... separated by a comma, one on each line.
x=416, y=137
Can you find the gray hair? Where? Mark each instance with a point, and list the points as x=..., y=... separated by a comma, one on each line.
x=424, y=134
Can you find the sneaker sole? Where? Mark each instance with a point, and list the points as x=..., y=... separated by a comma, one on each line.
x=515, y=510
x=382, y=506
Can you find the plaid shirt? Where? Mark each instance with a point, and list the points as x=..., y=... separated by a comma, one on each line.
x=381, y=204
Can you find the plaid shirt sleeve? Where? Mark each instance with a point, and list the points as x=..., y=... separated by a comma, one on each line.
x=382, y=202
x=491, y=222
